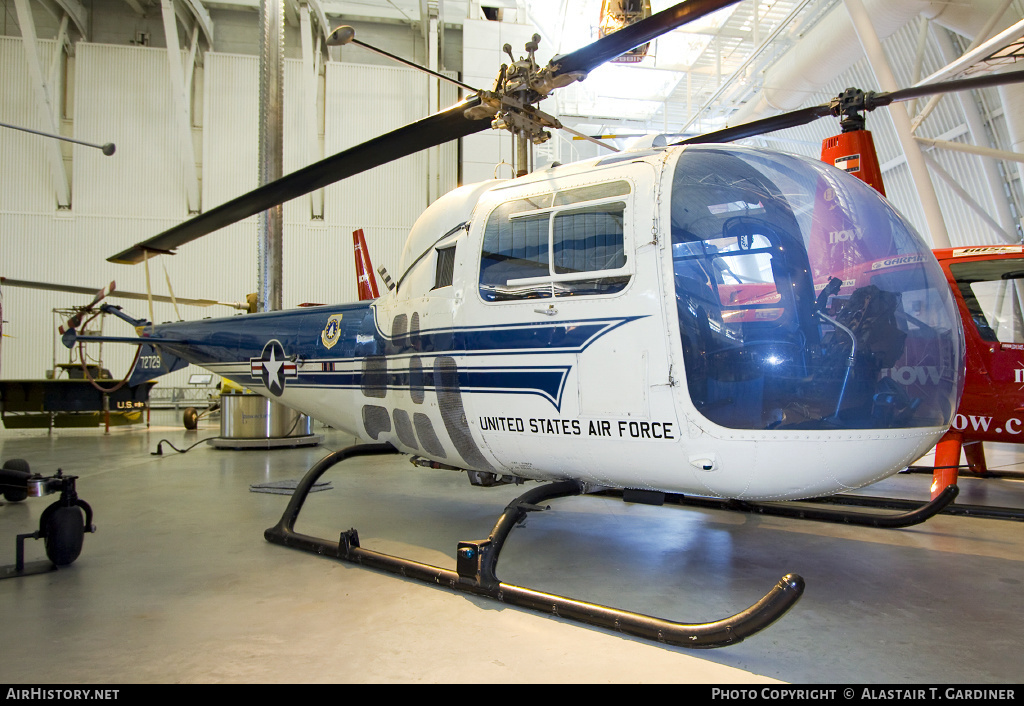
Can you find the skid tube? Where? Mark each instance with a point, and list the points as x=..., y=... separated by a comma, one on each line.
x=476, y=561
x=917, y=512
x=988, y=512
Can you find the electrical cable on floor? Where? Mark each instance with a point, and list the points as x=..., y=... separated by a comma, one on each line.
x=159, y=447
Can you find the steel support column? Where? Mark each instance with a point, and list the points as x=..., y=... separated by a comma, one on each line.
x=996, y=185
x=311, y=64
x=433, y=97
x=181, y=97
x=47, y=104
x=271, y=222
x=901, y=121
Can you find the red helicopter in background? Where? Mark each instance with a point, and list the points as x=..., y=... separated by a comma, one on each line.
x=986, y=283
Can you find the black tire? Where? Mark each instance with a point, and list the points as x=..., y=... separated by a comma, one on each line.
x=190, y=418
x=64, y=533
x=21, y=470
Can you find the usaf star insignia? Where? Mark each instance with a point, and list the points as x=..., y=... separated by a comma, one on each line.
x=272, y=368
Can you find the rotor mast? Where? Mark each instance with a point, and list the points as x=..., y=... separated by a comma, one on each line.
x=514, y=85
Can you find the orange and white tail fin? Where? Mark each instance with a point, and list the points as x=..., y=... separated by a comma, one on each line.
x=364, y=269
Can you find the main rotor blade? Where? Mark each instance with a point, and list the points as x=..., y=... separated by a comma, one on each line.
x=588, y=58
x=871, y=101
x=436, y=129
x=71, y=289
x=793, y=118
x=963, y=84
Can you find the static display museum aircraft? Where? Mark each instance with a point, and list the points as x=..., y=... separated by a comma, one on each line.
x=984, y=282
x=701, y=319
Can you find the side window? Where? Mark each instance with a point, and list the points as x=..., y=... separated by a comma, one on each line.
x=515, y=247
x=445, y=271
x=569, y=243
x=589, y=239
x=999, y=307
x=993, y=292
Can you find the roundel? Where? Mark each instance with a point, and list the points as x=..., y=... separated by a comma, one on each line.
x=273, y=367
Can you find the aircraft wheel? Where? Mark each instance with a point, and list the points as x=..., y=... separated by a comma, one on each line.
x=20, y=467
x=191, y=418
x=64, y=532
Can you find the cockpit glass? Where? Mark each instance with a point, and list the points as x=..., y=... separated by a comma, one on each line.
x=804, y=298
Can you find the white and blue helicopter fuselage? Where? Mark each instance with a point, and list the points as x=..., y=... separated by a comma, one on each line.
x=706, y=320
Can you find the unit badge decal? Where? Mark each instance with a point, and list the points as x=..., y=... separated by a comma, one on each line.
x=332, y=331
x=273, y=367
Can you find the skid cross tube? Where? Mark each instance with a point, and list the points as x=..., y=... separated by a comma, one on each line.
x=476, y=562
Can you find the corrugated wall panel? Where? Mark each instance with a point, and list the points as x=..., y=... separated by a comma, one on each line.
x=230, y=127
x=296, y=136
x=449, y=171
x=362, y=103
x=123, y=95
x=24, y=168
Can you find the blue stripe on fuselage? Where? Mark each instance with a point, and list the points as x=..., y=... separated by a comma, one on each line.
x=301, y=333
x=546, y=381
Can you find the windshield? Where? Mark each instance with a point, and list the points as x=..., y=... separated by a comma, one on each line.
x=802, y=295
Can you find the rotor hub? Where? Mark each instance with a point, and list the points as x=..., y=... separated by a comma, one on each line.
x=520, y=85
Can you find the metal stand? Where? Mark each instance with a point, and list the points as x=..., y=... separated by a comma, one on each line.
x=61, y=530
x=476, y=562
x=284, y=442
x=20, y=568
x=249, y=421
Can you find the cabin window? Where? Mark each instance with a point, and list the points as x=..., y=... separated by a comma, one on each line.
x=993, y=291
x=802, y=298
x=445, y=267
x=568, y=243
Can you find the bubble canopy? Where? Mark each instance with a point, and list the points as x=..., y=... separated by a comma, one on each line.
x=803, y=297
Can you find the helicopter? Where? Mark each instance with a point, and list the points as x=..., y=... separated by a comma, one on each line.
x=984, y=283
x=670, y=319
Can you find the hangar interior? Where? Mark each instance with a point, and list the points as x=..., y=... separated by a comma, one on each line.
x=178, y=585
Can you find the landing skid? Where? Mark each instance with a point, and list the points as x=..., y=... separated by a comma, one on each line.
x=476, y=562
x=988, y=512
x=916, y=512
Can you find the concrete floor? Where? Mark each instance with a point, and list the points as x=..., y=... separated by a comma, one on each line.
x=179, y=585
